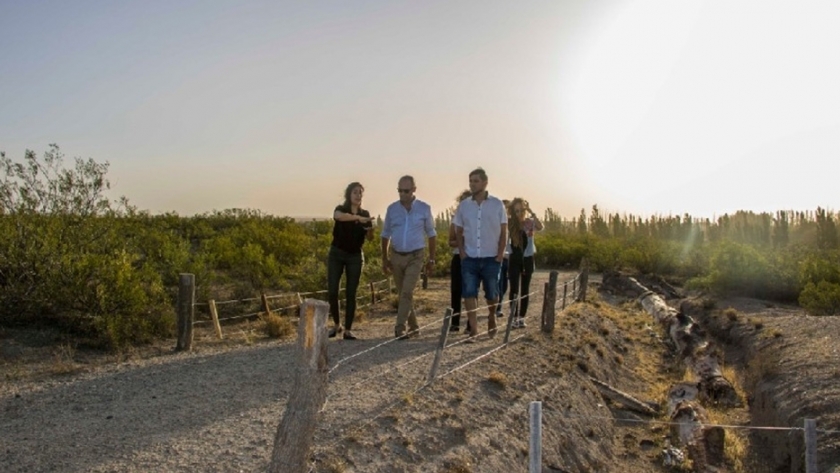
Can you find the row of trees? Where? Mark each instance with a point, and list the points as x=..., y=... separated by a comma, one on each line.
x=101, y=269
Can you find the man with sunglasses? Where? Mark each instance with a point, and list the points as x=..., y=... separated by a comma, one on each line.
x=408, y=225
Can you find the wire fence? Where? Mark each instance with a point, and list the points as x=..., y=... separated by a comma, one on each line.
x=213, y=312
x=768, y=446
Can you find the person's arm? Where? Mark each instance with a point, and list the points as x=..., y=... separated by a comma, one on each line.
x=340, y=216
x=386, y=263
x=430, y=265
x=459, y=236
x=538, y=226
x=368, y=226
x=386, y=240
x=453, y=236
x=500, y=252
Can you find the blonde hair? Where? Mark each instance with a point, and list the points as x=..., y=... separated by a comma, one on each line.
x=514, y=223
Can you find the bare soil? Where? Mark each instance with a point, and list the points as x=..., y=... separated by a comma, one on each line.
x=216, y=409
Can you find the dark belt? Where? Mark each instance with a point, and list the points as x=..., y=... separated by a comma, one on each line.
x=408, y=253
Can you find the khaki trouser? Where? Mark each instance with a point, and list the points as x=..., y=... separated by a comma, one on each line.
x=406, y=270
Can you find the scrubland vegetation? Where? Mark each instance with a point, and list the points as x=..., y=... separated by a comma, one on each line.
x=105, y=272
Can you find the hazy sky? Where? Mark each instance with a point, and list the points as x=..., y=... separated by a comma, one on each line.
x=638, y=106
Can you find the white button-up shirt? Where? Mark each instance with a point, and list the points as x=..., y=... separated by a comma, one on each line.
x=408, y=230
x=482, y=225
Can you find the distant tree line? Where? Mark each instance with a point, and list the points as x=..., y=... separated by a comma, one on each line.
x=102, y=270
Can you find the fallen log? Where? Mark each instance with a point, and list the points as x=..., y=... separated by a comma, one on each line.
x=704, y=444
x=623, y=398
x=691, y=345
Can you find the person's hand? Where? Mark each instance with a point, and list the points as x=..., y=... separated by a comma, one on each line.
x=430, y=266
x=386, y=266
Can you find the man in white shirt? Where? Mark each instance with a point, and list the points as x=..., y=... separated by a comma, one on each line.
x=481, y=226
x=408, y=224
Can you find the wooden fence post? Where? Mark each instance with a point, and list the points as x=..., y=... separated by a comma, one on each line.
x=265, y=307
x=547, y=322
x=372, y=294
x=295, y=434
x=214, y=314
x=425, y=278
x=535, y=444
x=811, y=446
x=444, y=331
x=186, y=311
x=584, y=279
x=565, y=288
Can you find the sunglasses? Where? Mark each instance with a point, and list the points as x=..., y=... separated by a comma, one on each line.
x=403, y=191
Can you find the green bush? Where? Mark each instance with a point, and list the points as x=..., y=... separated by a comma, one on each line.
x=822, y=298
x=559, y=250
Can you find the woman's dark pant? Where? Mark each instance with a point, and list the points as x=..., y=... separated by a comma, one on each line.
x=338, y=262
x=503, y=284
x=520, y=281
x=455, y=283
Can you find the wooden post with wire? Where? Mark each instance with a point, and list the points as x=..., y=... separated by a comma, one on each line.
x=565, y=289
x=547, y=319
x=535, y=443
x=265, y=307
x=296, y=432
x=811, y=446
x=584, y=279
x=186, y=311
x=214, y=314
x=444, y=331
x=372, y=294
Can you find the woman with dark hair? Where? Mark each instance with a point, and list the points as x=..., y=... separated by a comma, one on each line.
x=352, y=225
x=522, y=223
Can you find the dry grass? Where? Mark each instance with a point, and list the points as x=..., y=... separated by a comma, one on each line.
x=335, y=465
x=64, y=360
x=457, y=466
x=498, y=378
x=732, y=314
x=276, y=327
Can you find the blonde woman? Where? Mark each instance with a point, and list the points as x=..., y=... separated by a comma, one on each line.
x=522, y=223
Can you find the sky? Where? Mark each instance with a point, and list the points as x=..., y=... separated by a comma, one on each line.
x=639, y=107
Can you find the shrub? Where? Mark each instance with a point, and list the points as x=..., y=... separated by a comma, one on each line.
x=822, y=298
x=276, y=326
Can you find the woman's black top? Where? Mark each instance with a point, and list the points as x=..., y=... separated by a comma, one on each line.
x=517, y=253
x=350, y=236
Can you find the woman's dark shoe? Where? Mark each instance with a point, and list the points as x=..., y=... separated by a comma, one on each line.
x=334, y=331
x=348, y=335
x=454, y=328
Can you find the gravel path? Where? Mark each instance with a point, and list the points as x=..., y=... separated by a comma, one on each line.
x=211, y=410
